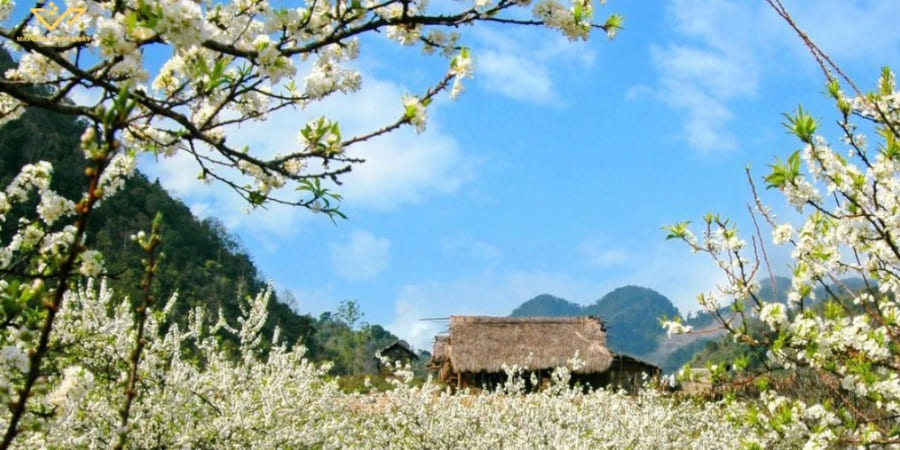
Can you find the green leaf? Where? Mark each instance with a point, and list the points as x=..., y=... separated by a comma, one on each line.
x=801, y=125
x=783, y=172
x=256, y=198
x=677, y=231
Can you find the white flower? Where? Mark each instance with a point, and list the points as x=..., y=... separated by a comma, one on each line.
x=75, y=383
x=782, y=233
x=773, y=314
x=91, y=263
x=54, y=206
x=6, y=7
x=13, y=356
x=676, y=327
x=415, y=112
x=10, y=108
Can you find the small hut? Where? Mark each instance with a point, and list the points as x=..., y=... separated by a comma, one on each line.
x=399, y=351
x=478, y=347
x=628, y=372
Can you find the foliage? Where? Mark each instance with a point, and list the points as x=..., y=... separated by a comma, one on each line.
x=349, y=344
x=836, y=339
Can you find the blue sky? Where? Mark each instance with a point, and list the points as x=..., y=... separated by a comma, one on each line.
x=554, y=171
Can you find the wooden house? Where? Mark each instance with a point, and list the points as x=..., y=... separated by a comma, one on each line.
x=477, y=347
x=399, y=351
x=629, y=372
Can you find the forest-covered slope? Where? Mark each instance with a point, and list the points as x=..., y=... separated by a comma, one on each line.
x=203, y=262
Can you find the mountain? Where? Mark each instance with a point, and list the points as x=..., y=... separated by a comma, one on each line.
x=205, y=264
x=546, y=305
x=631, y=315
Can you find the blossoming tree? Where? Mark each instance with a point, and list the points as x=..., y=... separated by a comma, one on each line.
x=839, y=342
x=229, y=62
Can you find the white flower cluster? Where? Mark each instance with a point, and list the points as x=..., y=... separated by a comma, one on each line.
x=676, y=327
x=239, y=60
x=845, y=337
x=119, y=169
x=328, y=76
x=460, y=68
x=574, y=22
x=10, y=108
x=773, y=314
x=36, y=235
x=6, y=7
x=283, y=400
x=782, y=233
x=415, y=112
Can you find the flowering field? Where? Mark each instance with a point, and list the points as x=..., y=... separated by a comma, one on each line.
x=285, y=401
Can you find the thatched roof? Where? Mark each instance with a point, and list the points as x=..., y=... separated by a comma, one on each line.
x=486, y=343
x=441, y=351
x=398, y=348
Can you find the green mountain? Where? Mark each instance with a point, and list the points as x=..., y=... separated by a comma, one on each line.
x=203, y=262
x=631, y=315
x=546, y=305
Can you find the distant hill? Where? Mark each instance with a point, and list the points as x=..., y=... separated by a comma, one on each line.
x=631, y=314
x=546, y=305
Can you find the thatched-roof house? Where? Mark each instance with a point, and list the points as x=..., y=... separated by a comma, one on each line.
x=399, y=351
x=477, y=348
x=486, y=343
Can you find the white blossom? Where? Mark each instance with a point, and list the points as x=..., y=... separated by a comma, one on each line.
x=14, y=357
x=53, y=206
x=782, y=233
x=415, y=112
x=91, y=263
x=773, y=314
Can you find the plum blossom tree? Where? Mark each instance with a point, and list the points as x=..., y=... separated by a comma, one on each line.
x=228, y=63
x=836, y=340
x=233, y=62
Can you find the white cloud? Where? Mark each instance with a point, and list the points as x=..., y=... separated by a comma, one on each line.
x=401, y=167
x=711, y=64
x=518, y=63
x=472, y=249
x=597, y=252
x=672, y=270
x=515, y=77
x=721, y=47
x=362, y=257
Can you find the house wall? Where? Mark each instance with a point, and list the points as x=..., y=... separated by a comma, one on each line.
x=629, y=374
